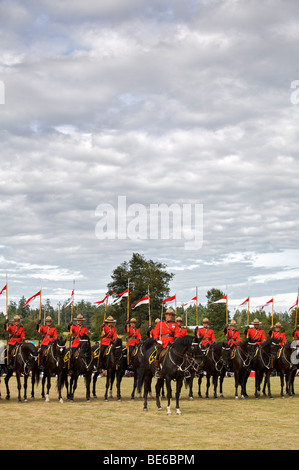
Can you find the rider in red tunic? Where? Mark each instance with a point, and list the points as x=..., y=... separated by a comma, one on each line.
x=233, y=335
x=276, y=333
x=183, y=331
x=205, y=332
x=108, y=336
x=16, y=337
x=48, y=333
x=133, y=338
x=255, y=333
x=164, y=333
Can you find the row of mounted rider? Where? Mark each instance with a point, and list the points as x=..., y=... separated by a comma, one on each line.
x=206, y=351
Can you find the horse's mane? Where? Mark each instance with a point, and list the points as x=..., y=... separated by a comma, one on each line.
x=117, y=342
x=148, y=343
x=268, y=341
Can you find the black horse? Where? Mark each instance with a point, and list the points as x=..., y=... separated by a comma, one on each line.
x=115, y=364
x=138, y=368
x=82, y=365
x=287, y=367
x=241, y=361
x=55, y=365
x=216, y=363
x=177, y=359
x=264, y=363
x=25, y=363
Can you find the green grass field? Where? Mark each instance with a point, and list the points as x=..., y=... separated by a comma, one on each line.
x=224, y=423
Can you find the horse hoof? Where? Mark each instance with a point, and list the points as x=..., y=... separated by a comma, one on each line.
x=60, y=400
x=236, y=398
x=119, y=399
x=47, y=399
x=191, y=398
x=178, y=412
x=145, y=409
x=243, y=397
x=160, y=408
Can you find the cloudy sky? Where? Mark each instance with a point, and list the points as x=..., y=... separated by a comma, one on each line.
x=154, y=102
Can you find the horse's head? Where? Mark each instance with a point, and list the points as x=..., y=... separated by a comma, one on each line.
x=274, y=347
x=117, y=351
x=226, y=354
x=59, y=346
x=29, y=353
x=85, y=347
x=198, y=353
x=252, y=348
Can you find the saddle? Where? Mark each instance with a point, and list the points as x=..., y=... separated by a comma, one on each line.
x=154, y=355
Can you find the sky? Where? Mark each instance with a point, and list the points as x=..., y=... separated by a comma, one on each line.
x=190, y=104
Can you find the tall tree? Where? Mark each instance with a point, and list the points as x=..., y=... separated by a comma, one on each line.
x=145, y=275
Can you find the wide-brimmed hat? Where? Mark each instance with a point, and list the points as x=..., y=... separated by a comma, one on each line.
x=133, y=320
x=48, y=319
x=205, y=320
x=233, y=323
x=256, y=321
x=169, y=311
x=278, y=324
x=79, y=317
x=110, y=319
x=179, y=319
x=16, y=318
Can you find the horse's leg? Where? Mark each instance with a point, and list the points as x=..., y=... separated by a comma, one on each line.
x=221, y=379
x=48, y=386
x=43, y=386
x=147, y=381
x=169, y=394
x=268, y=377
x=107, y=385
x=94, y=382
x=191, y=388
x=179, y=384
x=60, y=385
x=75, y=382
x=112, y=378
x=215, y=384
x=135, y=379
x=6, y=380
x=199, y=385
x=237, y=375
x=87, y=383
x=33, y=372
x=208, y=385
x=282, y=383
x=18, y=377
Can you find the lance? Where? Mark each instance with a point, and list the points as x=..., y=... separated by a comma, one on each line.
x=149, y=309
x=196, y=308
x=7, y=334
x=72, y=312
x=296, y=316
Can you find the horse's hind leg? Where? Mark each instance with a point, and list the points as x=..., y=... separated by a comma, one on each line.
x=94, y=383
x=6, y=380
x=87, y=383
x=179, y=384
x=158, y=392
x=48, y=387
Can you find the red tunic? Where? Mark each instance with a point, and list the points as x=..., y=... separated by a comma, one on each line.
x=183, y=331
x=78, y=331
x=166, y=332
x=17, y=334
x=49, y=333
x=257, y=335
x=233, y=336
x=134, y=336
x=280, y=336
x=208, y=335
x=296, y=334
x=109, y=335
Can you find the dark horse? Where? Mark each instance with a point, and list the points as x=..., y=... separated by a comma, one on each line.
x=178, y=358
x=216, y=362
x=287, y=367
x=25, y=362
x=263, y=363
x=115, y=363
x=55, y=365
x=82, y=365
x=241, y=361
x=138, y=368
